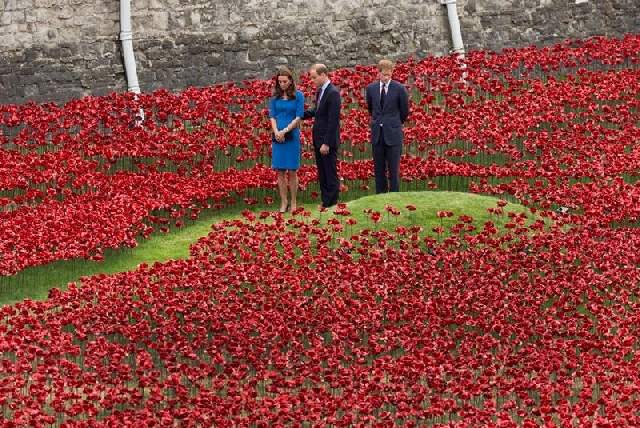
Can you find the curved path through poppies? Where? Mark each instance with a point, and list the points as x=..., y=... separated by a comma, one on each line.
x=35, y=283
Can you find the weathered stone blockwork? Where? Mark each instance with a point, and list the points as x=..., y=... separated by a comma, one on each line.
x=496, y=24
x=61, y=49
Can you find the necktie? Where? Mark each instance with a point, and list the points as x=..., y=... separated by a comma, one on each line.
x=383, y=94
x=318, y=94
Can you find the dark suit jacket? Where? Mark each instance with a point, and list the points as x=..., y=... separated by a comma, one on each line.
x=326, y=126
x=392, y=116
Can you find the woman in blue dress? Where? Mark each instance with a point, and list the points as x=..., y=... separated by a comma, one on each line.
x=285, y=111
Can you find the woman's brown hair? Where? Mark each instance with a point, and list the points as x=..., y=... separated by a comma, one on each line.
x=291, y=90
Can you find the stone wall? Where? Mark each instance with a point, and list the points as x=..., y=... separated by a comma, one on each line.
x=62, y=49
x=496, y=24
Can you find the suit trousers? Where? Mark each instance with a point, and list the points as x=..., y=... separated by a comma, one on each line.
x=386, y=165
x=328, y=176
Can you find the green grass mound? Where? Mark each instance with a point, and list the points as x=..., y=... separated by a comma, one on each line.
x=35, y=283
x=427, y=206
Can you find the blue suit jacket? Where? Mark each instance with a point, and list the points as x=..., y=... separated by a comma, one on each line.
x=392, y=116
x=326, y=126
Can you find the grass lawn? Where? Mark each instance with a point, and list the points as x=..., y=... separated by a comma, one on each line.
x=34, y=283
x=427, y=205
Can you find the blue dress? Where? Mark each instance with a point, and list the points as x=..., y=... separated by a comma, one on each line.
x=286, y=155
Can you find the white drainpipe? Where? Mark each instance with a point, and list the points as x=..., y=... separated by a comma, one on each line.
x=454, y=24
x=126, y=36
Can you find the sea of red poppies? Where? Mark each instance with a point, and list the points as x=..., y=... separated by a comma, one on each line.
x=290, y=323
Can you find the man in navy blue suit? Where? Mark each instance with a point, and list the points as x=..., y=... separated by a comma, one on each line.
x=326, y=133
x=388, y=104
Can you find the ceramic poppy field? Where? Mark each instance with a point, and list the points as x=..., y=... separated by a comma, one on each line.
x=295, y=321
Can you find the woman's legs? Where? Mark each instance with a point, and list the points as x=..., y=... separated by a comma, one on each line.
x=293, y=188
x=282, y=189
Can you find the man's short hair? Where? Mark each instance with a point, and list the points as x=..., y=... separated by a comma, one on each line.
x=385, y=65
x=320, y=69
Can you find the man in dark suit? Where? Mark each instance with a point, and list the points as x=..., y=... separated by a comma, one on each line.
x=388, y=104
x=326, y=133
